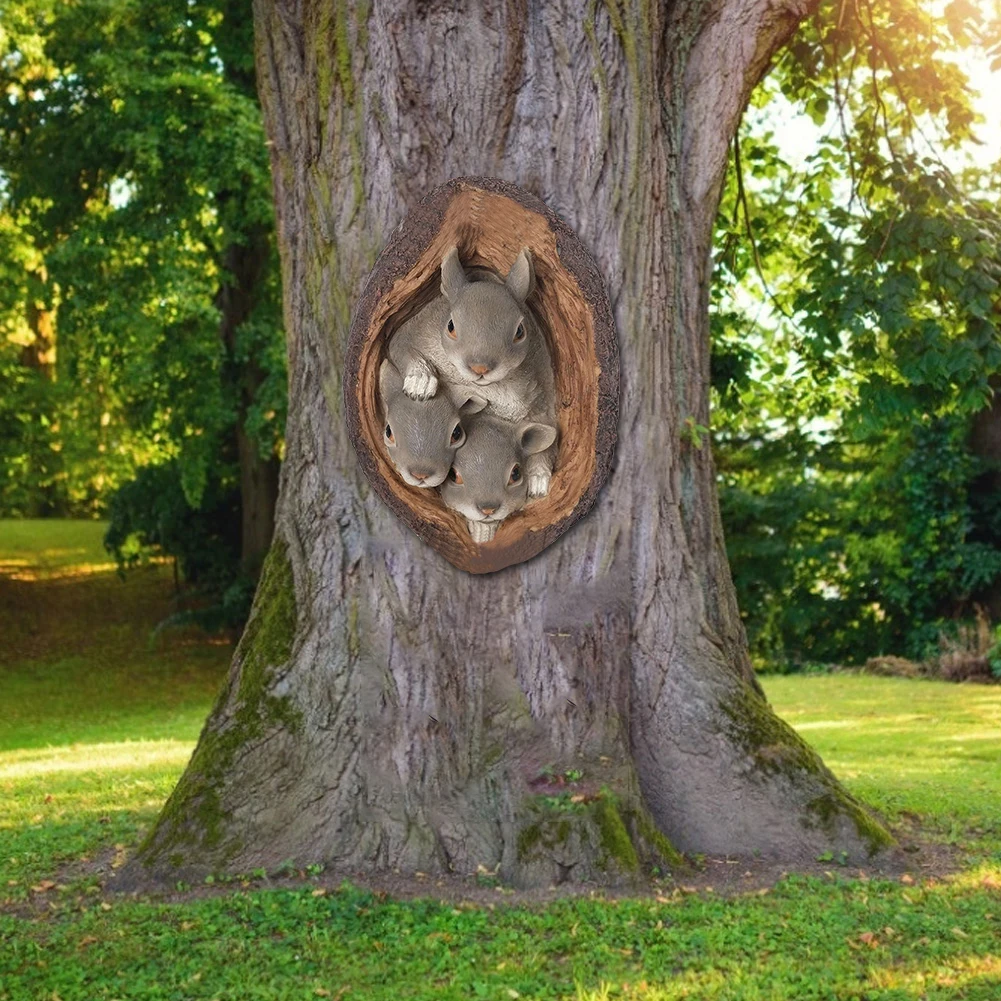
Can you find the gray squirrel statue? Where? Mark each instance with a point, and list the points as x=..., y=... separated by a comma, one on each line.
x=470, y=376
x=486, y=481
x=421, y=436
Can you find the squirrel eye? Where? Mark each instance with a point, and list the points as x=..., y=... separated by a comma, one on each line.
x=451, y=329
x=454, y=476
x=519, y=334
x=456, y=433
x=515, y=475
x=389, y=435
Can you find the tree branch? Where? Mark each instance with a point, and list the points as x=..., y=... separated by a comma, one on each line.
x=730, y=56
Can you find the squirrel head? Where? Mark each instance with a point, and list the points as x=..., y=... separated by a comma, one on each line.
x=422, y=436
x=489, y=328
x=487, y=480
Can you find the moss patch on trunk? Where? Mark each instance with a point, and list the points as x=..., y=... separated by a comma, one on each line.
x=615, y=839
x=194, y=815
x=597, y=838
x=776, y=749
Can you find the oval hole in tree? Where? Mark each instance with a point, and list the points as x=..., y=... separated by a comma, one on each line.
x=490, y=221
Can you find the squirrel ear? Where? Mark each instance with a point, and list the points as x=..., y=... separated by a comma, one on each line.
x=473, y=405
x=390, y=380
x=536, y=437
x=453, y=278
x=520, y=278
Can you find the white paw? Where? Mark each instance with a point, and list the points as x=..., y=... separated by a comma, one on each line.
x=482, y=531
x=420, y=383
x=538, y=484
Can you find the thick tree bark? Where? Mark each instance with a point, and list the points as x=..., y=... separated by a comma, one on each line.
x=387, y=710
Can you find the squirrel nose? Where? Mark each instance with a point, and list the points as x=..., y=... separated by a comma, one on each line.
x=479, y=369
x=489, y=507
x=420, y=474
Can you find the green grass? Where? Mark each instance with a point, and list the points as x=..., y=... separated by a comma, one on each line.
x=96, y=725
x=80, y=661
x=97, y=714
x=908, y=747
x=141, y=696
x=50, y=545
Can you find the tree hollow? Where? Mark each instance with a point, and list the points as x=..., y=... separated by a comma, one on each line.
x=490, y=221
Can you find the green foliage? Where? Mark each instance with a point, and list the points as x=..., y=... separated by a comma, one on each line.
x=135, y=195
x=152, y=514
x=856, y=335
x=693, y=432
x=841, y=552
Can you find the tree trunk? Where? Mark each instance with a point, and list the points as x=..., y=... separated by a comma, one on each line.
x=387, y=710
x=244, y=267
x=40, y=353
x=985, y=444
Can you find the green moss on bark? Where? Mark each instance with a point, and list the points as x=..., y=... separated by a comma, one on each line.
x=778, y=750
x=657, y=841
x=194, y=814
x=611, y=838
x=528, y=838
x=615, y=840
x=825, y=811
x=774, y=745
x=267, y=644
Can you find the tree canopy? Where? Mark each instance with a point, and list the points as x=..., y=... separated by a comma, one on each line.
x=133, y=161
x=856, y=336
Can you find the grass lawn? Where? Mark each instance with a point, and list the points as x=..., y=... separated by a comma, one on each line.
x=97, y=721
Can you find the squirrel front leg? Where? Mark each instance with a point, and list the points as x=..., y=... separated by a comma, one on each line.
x=539, y=470
x=420, y=381
x=482, y=531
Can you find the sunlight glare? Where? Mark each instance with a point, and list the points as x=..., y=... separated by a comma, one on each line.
x=124, y=755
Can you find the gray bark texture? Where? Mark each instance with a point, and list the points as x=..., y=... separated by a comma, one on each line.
x=387, y=711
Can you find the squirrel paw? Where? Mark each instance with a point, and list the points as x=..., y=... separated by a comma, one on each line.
x=420, y=383
x=538, y=483
x=482, y=531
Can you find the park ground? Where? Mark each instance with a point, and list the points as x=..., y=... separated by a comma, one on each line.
x=99, y=713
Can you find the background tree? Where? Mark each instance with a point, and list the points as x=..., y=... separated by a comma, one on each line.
x=134, y=159
x=857, y=339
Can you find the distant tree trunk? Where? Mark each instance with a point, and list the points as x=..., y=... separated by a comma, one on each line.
x=387, y=710
x=40, y=353
x=244, y=266
x=985, y=443
x=247, y=262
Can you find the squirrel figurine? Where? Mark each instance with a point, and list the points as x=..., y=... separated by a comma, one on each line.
x=421, y=436
x=488, y=480
x=480, y=339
